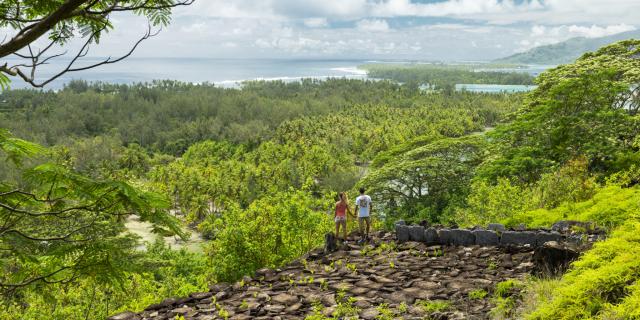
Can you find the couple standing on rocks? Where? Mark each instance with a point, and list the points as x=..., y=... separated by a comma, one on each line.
x=363, y=207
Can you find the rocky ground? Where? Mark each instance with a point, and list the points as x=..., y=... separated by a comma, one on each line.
x=382, y=279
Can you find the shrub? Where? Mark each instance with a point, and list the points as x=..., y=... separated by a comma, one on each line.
x=477, y=294
x=603, y=284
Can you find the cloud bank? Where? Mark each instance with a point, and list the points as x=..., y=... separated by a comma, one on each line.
x=384, y=29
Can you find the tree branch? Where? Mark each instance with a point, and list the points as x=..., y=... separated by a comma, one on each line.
x=16, y=71
x=143, y=6
x=39, y=28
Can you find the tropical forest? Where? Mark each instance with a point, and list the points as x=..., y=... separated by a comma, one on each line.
x=172, y=199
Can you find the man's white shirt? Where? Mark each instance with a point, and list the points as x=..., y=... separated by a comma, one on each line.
x=363, y=203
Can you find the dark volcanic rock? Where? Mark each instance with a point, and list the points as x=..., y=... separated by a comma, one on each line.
x=461, y=237
x=542, y=237
x=431, y=236
x=330, y=242
x=553, y=258
x=164, y=304
x=486, y=237
x=416, y=233
x=518, y=238
x=444, y=236
x=402, y=232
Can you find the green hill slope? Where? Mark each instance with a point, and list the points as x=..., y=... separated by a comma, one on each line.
x=566, y=51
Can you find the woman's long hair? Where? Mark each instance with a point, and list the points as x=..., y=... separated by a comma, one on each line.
x=343, y=198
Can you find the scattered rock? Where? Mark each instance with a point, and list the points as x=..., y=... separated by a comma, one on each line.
x=328, y=300
x=164, y=304
x=183, y=311
x=127, y=315
x=274, y=308
x=201, y=295
x=220, y=286
x=284, y=299
x=369, y=314
x=432, y=268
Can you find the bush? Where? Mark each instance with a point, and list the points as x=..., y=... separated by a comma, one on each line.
x=603, y=284
x=270, y=232
x=610, y=207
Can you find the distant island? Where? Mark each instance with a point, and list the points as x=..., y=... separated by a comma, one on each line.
x=566, y=51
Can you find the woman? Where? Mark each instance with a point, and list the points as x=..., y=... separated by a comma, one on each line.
x=340, y=216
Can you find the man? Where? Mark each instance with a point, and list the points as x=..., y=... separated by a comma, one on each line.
x=363, y=207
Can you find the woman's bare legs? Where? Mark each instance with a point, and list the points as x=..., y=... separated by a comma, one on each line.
x=344, y=229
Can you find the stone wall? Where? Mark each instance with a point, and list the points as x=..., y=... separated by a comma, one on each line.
x=494, y=235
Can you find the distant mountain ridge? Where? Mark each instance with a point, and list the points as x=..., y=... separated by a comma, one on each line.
x=566, y=51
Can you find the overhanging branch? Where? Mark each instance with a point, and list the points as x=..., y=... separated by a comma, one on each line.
x=65, y=19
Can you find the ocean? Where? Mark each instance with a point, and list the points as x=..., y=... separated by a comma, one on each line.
x=221, y=72
x=229, y=73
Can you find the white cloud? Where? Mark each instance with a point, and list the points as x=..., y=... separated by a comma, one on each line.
x=537, y=30
x=595, y=31
x=197, y=27
x=392, y=8
x=543, y=35
x=493, y=11
x=316, y=22
x=373, y=25
x=364, y=28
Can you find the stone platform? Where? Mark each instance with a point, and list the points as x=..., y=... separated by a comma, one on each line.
x=402, y=280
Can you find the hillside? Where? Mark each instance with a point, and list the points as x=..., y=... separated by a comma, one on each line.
x=566, y=51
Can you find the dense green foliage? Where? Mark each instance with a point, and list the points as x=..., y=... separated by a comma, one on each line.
x=164, y=272
x=168, y=116
x=585, y=109
x=424, y=182
x=61, y=229
x=271, y=231
x=254, y=170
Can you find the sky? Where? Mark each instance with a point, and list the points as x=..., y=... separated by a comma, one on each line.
x=371, y=29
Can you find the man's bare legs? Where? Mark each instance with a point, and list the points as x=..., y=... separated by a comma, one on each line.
x=367, y=220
